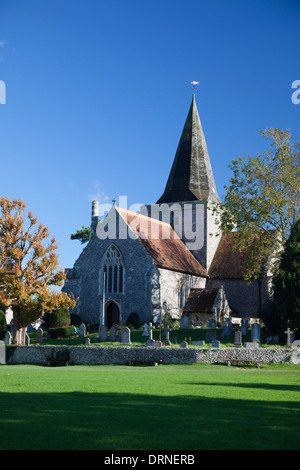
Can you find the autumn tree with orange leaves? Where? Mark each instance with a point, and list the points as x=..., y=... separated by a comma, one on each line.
x=29, y=268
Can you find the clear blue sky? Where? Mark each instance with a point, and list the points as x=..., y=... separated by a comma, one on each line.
x=97, y=93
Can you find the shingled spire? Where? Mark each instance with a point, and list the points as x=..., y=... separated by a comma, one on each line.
x=191, y=177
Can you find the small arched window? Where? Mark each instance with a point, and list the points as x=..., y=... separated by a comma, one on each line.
x=113, y=271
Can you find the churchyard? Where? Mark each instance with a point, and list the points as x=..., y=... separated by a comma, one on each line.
x=227, y=336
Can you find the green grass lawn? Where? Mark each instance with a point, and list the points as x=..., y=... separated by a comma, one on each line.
x=189, y=407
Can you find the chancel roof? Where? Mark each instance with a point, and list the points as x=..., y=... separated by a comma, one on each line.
x=231, y=257
x=163, y=245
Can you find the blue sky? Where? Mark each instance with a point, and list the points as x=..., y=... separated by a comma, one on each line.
x=97, y=94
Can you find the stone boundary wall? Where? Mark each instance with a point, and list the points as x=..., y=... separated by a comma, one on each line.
x=101, y=355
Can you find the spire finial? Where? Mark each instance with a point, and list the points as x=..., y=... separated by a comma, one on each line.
x=194, y=86
x=114, y=201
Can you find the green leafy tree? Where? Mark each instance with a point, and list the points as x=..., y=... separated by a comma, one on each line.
x=83, y=235
x=284, y=307
x=262, y=200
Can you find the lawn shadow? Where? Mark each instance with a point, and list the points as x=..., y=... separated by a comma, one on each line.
x=117, y=421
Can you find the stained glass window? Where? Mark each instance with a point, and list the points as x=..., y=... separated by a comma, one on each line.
x=113, y=268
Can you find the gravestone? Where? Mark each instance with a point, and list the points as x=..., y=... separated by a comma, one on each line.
x=27, y=339
x=87, y=341
x=245, y=326
x=226, y=327
x=255, y=332
x=184, y=344
x=145, y=332
x=252, y=345
x=210, y=336
x=113, y=333
x=39, y=335
x=103, y=333
x=125, y=335
x=238, y=339
x=82, y=330
x=156, y=344
x=150, y=330
x=167, y=332
x=215, y=344
x=184, y=322
x=2, y=353
x=290, y=338
x=198, y=343
x=7, y=339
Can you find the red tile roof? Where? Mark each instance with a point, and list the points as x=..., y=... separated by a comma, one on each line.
x=166, y=249
x=230, y=258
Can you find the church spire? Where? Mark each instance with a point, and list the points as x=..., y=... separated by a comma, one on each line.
x=191, y=177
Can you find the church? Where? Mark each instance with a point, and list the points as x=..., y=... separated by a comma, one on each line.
x=168, y=259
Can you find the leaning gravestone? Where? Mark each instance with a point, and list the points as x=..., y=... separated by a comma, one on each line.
x=2, y=353
x=125, y=335
x=215, y=344
x=82, y=330
x=103, y=333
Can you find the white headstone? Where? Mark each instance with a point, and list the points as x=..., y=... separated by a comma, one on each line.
x=2, y=353
x=125, y=335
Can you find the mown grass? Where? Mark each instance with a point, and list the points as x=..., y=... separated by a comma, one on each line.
x=190, y=407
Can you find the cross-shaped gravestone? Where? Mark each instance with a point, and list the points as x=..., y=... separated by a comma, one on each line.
x=289, y=333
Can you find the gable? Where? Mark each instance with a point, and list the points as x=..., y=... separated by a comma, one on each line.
x=164, y=246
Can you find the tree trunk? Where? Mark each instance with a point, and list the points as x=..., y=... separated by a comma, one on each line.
x=18, y=336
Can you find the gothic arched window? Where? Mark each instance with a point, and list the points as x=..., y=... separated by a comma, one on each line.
x=113, y=270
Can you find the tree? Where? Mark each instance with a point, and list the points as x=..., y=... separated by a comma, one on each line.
x=262, y=200
x=284, y=307
x=28, y=268
x=83, y=235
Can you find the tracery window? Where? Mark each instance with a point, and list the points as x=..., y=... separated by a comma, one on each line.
x=113, y=268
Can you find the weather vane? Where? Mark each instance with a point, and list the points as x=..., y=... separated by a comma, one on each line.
x=194, y=86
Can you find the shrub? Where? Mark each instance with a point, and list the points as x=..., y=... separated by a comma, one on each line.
x=59, y=318
x=2, y=320
x=133, y=320
x=62, y=332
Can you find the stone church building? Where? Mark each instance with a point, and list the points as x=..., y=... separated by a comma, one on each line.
x=151, y=263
